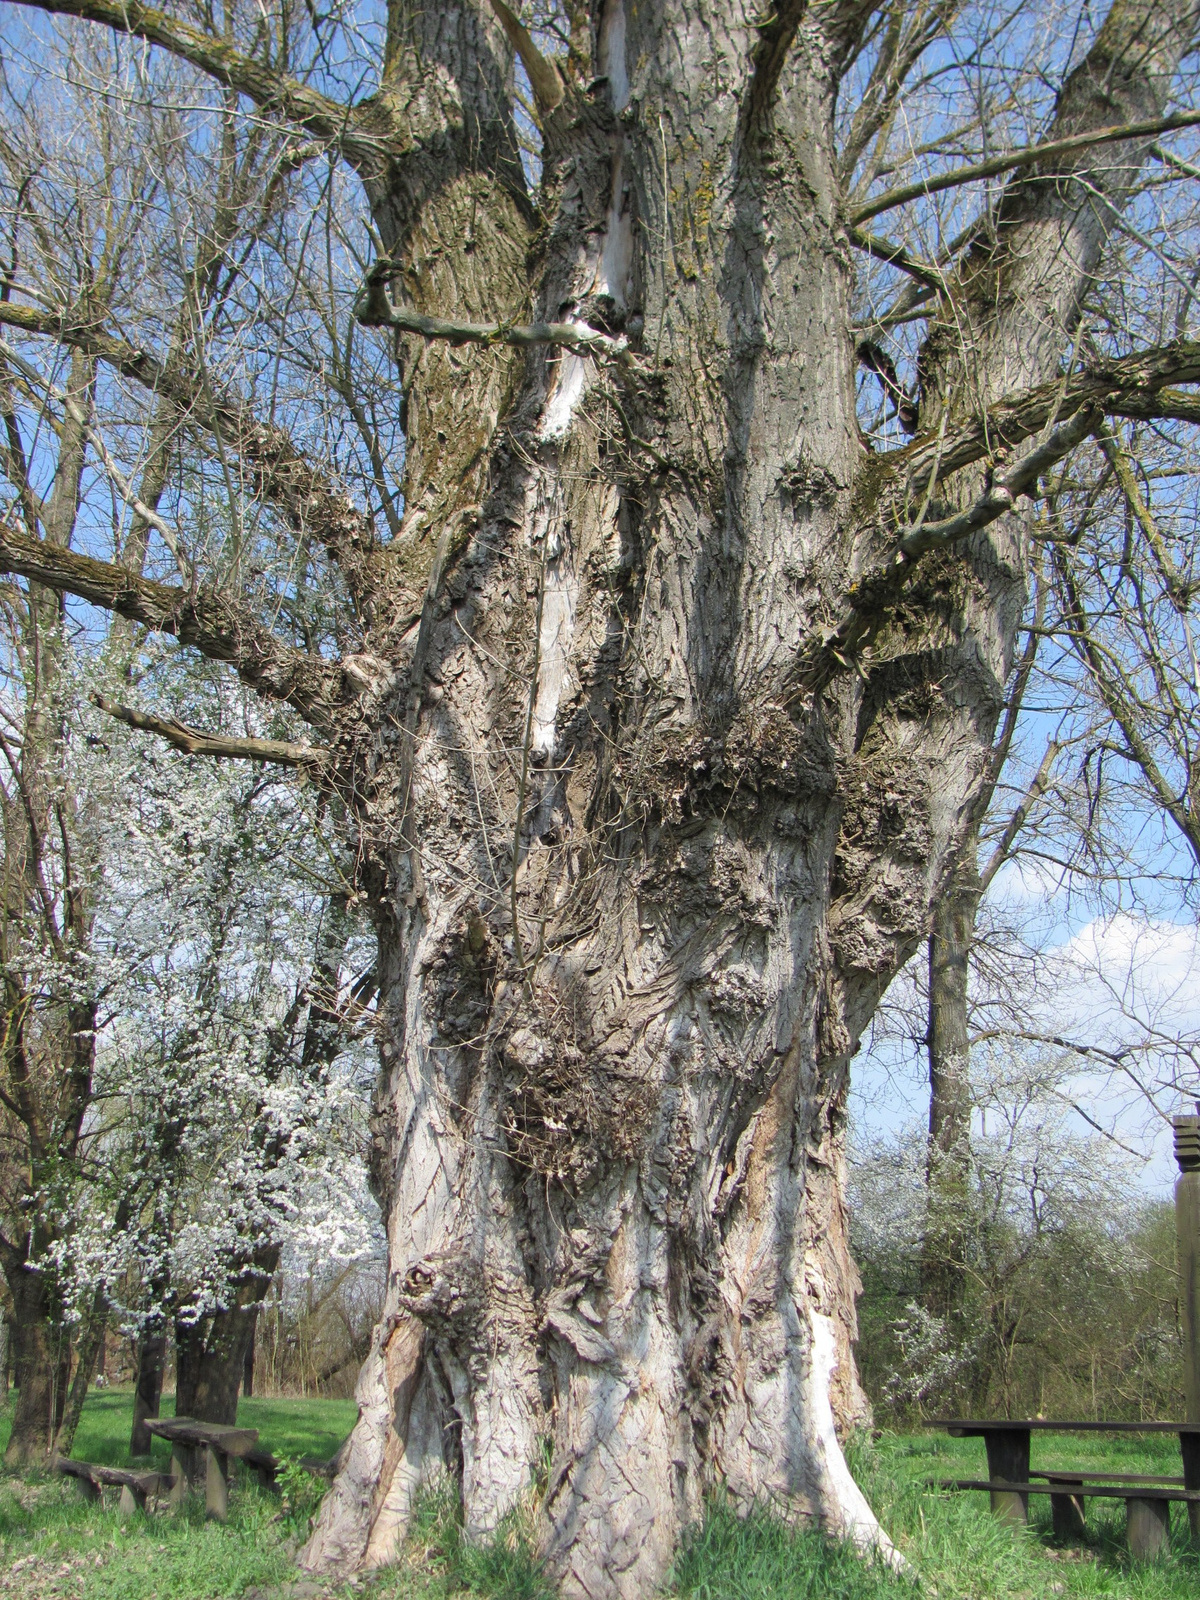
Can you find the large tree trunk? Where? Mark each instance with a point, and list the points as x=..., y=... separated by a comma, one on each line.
x=210, y=1353
x=41, y=1371
x=662, y=736
x=609, y=1133
x=148, y=1385
x=948, y=1159
x=646, y=884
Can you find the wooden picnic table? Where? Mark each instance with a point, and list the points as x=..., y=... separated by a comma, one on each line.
x=1007, y=1441
x=210, y=1443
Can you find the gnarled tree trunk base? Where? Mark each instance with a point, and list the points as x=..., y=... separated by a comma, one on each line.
x=673, y=1356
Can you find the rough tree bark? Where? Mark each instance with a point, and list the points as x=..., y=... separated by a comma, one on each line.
x=642, y=854
x=943, y=1264
x=41, y=1354
x=609, y=1130
x=148, y=1385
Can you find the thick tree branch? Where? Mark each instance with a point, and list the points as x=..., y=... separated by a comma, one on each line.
x=543, y=75
x=219, y=628
x=374, y=309
x=273, y=91
x=195, y=742
x=873, y=598
x=1033, y=154
x=1165, y=405
x=1003, y=493
x=277, y=471
x=1130, y=386
x=897, y=256
x=775, y=35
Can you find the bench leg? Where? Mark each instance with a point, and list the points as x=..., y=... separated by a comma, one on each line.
x=90, y=1491
x=216, y=1485
x=1008, y=1457
x=1066, y=1511
x=183, y=1470
x=1149, y=1524
x=132, y=1501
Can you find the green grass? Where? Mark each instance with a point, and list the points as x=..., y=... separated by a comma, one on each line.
x=52, y=1543
x=958, y=1547
x=71, y=1548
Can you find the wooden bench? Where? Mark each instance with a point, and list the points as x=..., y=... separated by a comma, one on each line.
x=262, y=1464
x=1066, y=1509
x=1007, y=1442
x=134, y=1486
x=211, y=1444
x=1147, y=1505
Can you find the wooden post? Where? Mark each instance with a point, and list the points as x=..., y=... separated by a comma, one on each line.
x=216, y=1484
x=1008, y=1458
x=1187, y=1231
x=1066, y=1510
x=1148, y=1526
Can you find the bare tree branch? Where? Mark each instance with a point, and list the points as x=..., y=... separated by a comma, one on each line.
x=273, y=91
x=277, y=470
x=1021, y=158
x=1112, y=386
x=221, y=629
x=1019, y=817
x=543, y=75
x=170, y=536
x=1168, y=405
x=374, y=309
x=195, y=742
x=897, y=256
x=872, y=598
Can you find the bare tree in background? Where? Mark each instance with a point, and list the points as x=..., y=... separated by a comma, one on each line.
x=82, y=217
x=659, y=699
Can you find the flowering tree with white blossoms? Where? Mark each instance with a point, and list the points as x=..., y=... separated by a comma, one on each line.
x=231, y=1080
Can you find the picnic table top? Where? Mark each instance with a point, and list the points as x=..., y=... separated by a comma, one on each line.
x=977, y=1425
x=186, y=1430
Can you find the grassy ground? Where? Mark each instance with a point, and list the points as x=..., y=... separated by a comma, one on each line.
x=53, y=1544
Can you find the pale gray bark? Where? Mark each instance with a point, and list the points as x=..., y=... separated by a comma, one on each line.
x=610, y=1129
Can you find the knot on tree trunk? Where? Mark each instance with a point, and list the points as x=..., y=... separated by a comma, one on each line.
x=446, y=1292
